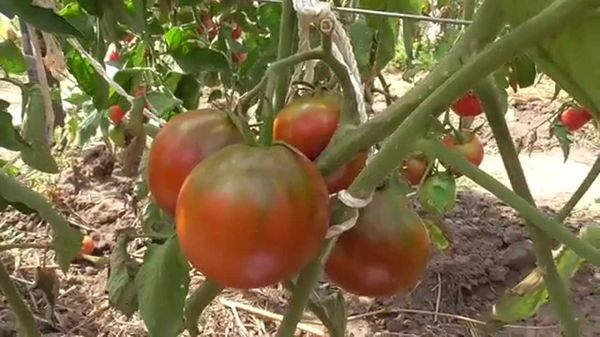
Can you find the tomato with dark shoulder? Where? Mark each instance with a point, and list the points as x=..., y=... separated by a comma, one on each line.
x=414, y=167
x=251, y=216
x=469, y=146
x=308, y=123
x=385, y=253
x=575, y=118
x=467, y=106
x=180, y=145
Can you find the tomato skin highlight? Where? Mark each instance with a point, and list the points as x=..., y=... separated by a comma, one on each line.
x=308, y=123
x=575, y=118
x=251, y=216
x=180, y=145
x=385, y=253
x=344, y=176
x=116, y=114
x=467, y=106
x=472, y=149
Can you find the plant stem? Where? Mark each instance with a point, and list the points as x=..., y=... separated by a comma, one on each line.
x=318, y=311
x=345, y=145
x=468, y=9
x=550, y=226
x=284, y=49
x=559, y=294
x=581, y=190
x=307, y=280
x=197, y=302
x=551, y=19
x=26, y=322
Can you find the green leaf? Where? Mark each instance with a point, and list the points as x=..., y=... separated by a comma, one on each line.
x=122, y=292
x=361, y=37
x=437, y=235
x=162, y=284
x=387, y=37
x=336, y=309
x=89, y=125
x=438, y=193
x=569, y=57
x=34, y=131
x=42, y=18
x=188, y=90
x=524, y=299
x=177, y=37
x=194, y=59
x=9, y=136
x=525, y=71
x=75, y=15
x=66, y=240
x=156, y=223
x=89, y=81
x=11, y=58
x=163, y=102
x=562, y=135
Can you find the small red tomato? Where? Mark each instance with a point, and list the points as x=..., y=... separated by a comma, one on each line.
x=575, y=118
x=239, y=58
x=129, y=38
x=114, y=57
x=87, y=245
x=345, y=175
x=414, y=168
x=308, y=123
x=116, y=114
x=236, y=33
x=467, y=106
x=471, y=148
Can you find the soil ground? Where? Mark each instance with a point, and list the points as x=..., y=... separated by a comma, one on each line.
x=491, y=250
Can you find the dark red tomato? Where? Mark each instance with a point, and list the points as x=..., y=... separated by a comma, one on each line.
x=308, y=123
x=471, y=148
x=116, y=114
x=345, y=175
x=467, y=106
x=236, y=32
x=114, y=57
x=180, y=145
x=251, y=216
x=575, y=118
x=385, y=253
x=414, y=168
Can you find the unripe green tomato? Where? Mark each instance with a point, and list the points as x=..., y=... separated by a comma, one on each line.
x=438, y=193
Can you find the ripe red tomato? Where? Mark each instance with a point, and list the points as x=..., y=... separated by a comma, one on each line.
x=116, y=114
x=308, y=123
x=180, y=145
x=385, y=253
x=471, y=148
x=251, y=216
x=236, y=32
x=239, y=58
x=345, y=175
x=414, y=168
x=114, y=57
x=575, y=118
x=87, y=245
x=467, y=106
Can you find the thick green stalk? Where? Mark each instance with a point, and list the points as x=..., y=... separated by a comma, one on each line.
x=197, y=302
x=26, y=322
x=345, y=145
x=584, y=187
x=311, y=274
x=550, y=226
x=284, y=49
x=552, y=19
x=559, y=294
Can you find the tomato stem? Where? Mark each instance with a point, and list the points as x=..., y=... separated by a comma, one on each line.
x=550, y=226
x=495, y=109
x=197, y=302
x=24, y=317
x=284, y=50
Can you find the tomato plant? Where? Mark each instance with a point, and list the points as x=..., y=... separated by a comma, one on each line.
x=575, y=118
x=385, y=253
x=180, y=145
x=249, y=216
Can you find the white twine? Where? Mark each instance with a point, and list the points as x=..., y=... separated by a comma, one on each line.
x=336, y=230
x=353, y=202
x=313, y=11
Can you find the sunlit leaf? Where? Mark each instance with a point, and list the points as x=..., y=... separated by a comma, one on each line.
x=12, y=60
